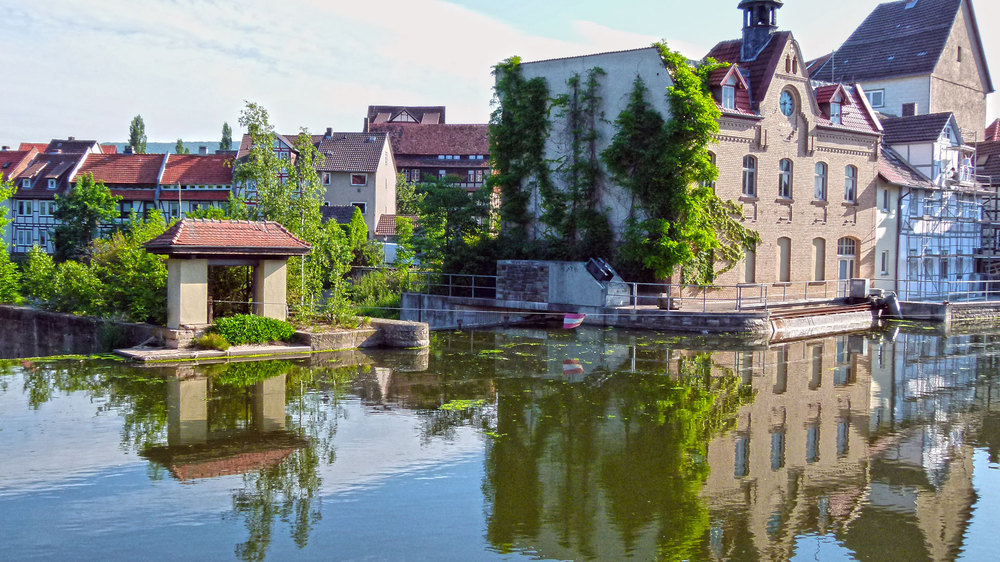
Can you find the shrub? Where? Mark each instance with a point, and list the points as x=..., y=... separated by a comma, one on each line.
x=10, y=279
x=378, y=293
x=38, y=275
x=212, y=341
x=249, y=328
x=76, y=289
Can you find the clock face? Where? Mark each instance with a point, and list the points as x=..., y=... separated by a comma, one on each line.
x=786, y=103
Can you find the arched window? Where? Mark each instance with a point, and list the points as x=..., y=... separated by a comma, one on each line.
x=784, y=270
x=785, y=178
x=749, y=176
x=847, y=257
x=711, y=158
x=850, y=184
x=820, y=188
x=819, y=259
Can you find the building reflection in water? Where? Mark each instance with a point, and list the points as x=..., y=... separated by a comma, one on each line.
x=851, y=437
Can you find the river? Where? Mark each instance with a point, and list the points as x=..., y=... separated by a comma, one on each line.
x=589, y=444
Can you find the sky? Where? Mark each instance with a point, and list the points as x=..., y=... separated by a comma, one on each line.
x=84, y=68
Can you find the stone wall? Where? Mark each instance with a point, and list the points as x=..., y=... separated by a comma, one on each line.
x=28, y=332
x=379, y=333
x=523, y=280
x=980, y=315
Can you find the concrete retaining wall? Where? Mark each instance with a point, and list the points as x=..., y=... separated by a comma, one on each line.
x=380, y=333
x=28, y=332
x=964, y=315
x=824, y=325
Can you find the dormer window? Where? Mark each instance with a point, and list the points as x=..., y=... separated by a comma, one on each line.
x=835, y=110
x=52, y=184
x=729, y=94
x=26, y=183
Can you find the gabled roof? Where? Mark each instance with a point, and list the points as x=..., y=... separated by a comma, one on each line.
x=896, y=40
x=194, y=169
x=427, y=115
x=431, y=140
x=893, y=168
x=122, y=169
x=246, y=143
x=70, y=146
x=855, y=113
x=109, y=148
x=825, y=94
x=387, y=224
x=761, y=69
x=993, y=131
x=57, y=167
x=340, y=214
x=202, y=236
x=13, y=162
x=351, y=152
x=917, y=128
x=39, y=146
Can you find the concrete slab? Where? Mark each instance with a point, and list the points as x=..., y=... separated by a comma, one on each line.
x=200, y=356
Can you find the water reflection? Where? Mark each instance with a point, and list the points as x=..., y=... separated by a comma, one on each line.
x=593, y=444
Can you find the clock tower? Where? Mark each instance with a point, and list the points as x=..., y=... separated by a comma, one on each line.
x=759, y=23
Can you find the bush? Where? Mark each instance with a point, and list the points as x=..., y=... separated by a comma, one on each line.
x=249, y=328
x=378, y=293
x=10, y=279
x=76, y=290
x=212, y=341
x=38, y=275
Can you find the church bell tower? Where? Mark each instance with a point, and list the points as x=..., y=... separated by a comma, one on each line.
x=760, y=21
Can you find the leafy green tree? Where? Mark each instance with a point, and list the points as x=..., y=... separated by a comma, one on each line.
x=407, y=198
x=9, y=275
x=179, y=148
x=214, y=213
x=38, y=274
x=227, y=137
x=76, y=289
x=451, y=223
x=259, y=169
x=137, y=135
x=404, y=242
x=80, y=214
x=133, y=281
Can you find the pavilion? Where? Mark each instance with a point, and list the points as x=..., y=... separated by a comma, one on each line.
x=192, y=245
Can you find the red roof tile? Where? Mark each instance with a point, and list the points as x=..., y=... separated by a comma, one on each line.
x=993, y=131
x=194, y=169
x=894, y=169
x=422, y=114
x=109, y=148
x=124, y=169
x=855, y=113
x=39, y=146
x=761, y=68
x=351, y=152
x=70, y=146
x=436, y=139
x=199, y=236
x=387, y=224
x=13, y=162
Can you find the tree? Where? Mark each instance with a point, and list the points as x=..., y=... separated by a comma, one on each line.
x=80, y=215
x=407, y=198
x=133, y=281
x=227, y=137
x=404, y=242
x=179, y=148
x=451, y=223
x=137, y=135
x=259, y=169
x=9, y=276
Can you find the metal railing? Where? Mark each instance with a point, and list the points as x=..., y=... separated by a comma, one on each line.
x=722, y=298
x=451, y=284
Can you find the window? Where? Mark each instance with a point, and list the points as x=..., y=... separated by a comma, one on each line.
x=749, y=176
x=729, y=94
x=326, y=178
x=440, y=156
x=442, y=174
x=24, y=238
x=847, y=247
x=850, y=184
x=359, y=179
x=472, y=176
x=26, y=184
x=835, y=110
x=23, y=208
x=885, y=263
x=876, y=98
x=711, y=158
x=820, y=188
x=909, y=109
x=362, y=206
x=785, y=178
x=45, y=208
x=52, y=184
x=885, y=200
x=959, y=54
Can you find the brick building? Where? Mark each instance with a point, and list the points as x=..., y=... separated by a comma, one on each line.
x=801, y=156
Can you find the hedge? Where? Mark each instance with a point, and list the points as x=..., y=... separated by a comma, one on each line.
x=249, y=328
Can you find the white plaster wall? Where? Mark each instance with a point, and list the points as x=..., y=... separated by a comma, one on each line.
x=902, y=90
x=621, y=69
x=886, y=236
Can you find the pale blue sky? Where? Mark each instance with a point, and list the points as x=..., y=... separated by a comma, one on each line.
x=81, y=68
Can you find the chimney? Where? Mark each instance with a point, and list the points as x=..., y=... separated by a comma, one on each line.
x=329, y=133
x=760, y=21
x=72, y=138
x=5, y=148
x=128, y=149
x=202, y=150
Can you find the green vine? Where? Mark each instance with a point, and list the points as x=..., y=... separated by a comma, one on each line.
x=519, y=127
x=666, y=165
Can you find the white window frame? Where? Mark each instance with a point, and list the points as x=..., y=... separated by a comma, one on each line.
x=836, y=110
x=785, y=178
x=729, y=94
x=361, y=205
x=850, y=184
x=327, y=178
x=872, y=95
x=355, y=184
x=821, y=177
x=885, y=262
x=52, y=183
x=749, y=176
x=26, y=183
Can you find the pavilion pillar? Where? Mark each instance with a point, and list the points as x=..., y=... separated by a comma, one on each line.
x=187, y=411
x=269, y=289
x=187, y=293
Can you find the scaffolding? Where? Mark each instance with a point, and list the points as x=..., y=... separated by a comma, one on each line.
x=942, y=233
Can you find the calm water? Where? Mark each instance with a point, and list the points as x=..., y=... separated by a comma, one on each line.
x=515, y=444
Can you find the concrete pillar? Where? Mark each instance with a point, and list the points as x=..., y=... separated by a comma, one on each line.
x=187, y=411
x=269, y=289
x=187, y=292
x=269, y=404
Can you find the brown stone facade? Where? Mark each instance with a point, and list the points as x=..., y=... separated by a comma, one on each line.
x=801, y=228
